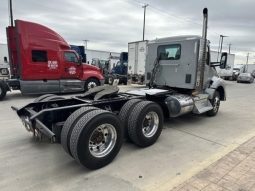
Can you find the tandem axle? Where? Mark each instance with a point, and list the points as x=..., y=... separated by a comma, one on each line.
x=98, y=121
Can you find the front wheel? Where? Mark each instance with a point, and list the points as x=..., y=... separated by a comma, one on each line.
x=215, y=101
x=91, y=83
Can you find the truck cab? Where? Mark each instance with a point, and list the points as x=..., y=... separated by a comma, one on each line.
x=41, y=61
x=179, y=64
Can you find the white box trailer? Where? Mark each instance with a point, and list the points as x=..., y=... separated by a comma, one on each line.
x=250, y=68
x=226, y=73
x=137, y=52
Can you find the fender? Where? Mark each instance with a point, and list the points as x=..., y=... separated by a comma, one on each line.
x=92, y=74
x=90, y=71
x=218, y=84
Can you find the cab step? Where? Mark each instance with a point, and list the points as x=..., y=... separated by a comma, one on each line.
x=202, y=104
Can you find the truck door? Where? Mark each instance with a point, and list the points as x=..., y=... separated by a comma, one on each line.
x=72, y=68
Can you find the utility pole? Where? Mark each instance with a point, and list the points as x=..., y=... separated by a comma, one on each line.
x=86, y=44
x=229, y=47
x=11, y=13
x=144, y=13
x=247, y=61
x=219, y=49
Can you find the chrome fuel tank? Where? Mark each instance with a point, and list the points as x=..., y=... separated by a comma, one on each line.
x=179, y=104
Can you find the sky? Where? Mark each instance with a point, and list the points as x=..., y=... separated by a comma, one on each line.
x=110, y=24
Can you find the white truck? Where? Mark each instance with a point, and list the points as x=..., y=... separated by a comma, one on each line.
x=137, y=52
x=4, y=64
x=238, y=69
x=226, y=73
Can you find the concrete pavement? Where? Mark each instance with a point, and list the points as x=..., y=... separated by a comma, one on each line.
x=233, y=172
x=187, y=145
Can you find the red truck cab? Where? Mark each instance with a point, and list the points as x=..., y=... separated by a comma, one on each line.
x=41, y=61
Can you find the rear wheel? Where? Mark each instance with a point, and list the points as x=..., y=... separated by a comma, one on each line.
x=96, y=139
x=145, y=123
x=125, y=113
x=215, y=101
x=91, y=83
x=69, y=125
x=3, y=90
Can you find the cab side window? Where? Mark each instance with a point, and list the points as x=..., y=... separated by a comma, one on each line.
x=70, y=57
x=39, y=56
x=169, y=52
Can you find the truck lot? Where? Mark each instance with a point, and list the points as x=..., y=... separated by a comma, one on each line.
x=187, y=145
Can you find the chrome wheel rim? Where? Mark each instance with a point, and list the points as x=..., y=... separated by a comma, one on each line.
x=150, y=124
x=216, y=104
x=91, y=85
x=102, y=140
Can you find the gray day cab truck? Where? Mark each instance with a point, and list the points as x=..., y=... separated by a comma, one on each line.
x=91, y=127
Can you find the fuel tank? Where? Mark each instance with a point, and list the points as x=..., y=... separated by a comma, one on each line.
x=179, y=104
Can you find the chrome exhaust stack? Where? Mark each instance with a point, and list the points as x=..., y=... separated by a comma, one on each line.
x=202, y=53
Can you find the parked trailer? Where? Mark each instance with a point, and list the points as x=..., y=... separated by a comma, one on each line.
x=91, y=126
x=136, y=61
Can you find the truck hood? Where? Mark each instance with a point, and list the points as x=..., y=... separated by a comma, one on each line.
x=90, y=67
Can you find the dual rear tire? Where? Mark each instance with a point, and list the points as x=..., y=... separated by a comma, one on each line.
x=142, y=121
x=93, y=137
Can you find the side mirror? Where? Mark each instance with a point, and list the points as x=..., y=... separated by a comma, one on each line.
x=223, y=60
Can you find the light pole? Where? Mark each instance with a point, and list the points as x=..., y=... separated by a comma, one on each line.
x=144, y=13
x=86, y=44
x=247, y=61
x=11, y=13
x=229, y=47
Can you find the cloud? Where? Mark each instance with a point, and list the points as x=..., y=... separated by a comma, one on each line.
x=110, y=25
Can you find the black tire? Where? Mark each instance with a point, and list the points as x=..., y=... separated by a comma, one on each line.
x=52, y=98
x=69, y=125
x=125, y=113
x=136, y=121
x=82, y=132
x=216, y=106
x=91, y=82
x=110, y=80
x=3, y=90
x=43, y=97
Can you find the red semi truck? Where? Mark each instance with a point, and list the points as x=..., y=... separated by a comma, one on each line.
x=41, y=62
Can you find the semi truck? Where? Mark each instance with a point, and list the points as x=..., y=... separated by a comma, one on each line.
x=91, y=127
x=41, y=61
